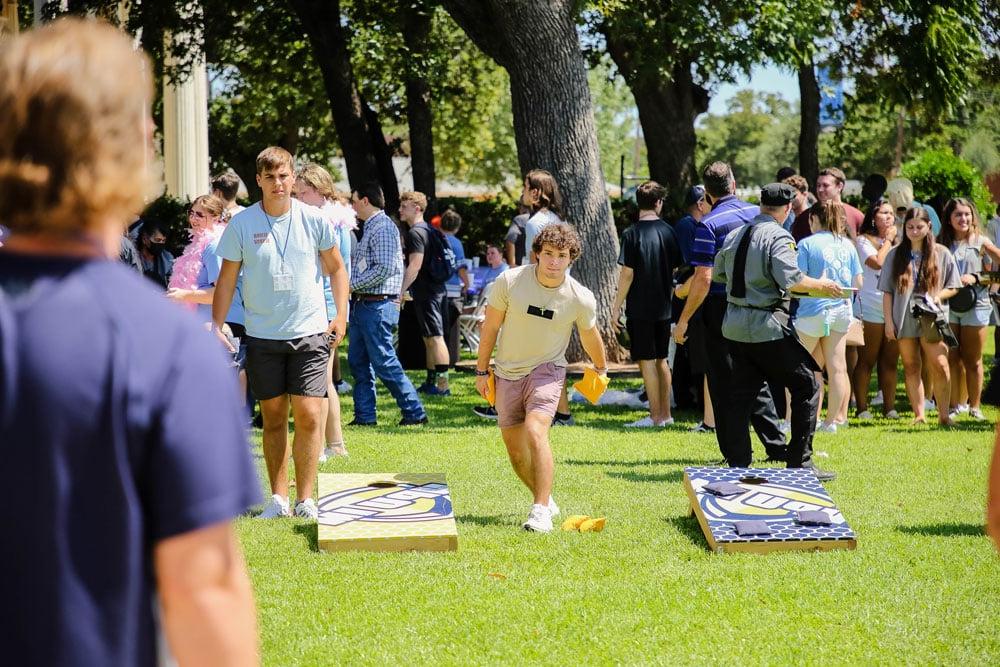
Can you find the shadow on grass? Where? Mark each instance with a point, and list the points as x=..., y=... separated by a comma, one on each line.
x=310, y=531
x=486, y=520
x=639, y=462
x=688, y=526
x=945, y=530
x=672, y=476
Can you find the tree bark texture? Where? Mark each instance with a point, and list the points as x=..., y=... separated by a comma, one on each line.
x=537, y=43
x=416, y=36
x=667, y=111
x=809, y=124
x=362, y=145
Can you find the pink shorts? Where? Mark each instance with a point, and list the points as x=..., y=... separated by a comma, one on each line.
x=538, y=391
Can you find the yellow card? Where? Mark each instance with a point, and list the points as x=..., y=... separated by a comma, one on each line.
x=592, y=385
x=491, y=389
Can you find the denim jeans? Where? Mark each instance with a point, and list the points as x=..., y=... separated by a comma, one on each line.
x=371, y=354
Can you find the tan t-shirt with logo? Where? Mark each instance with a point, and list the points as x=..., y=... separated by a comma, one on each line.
x=527, y=341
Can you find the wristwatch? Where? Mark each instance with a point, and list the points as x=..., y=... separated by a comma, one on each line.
x=482, y=374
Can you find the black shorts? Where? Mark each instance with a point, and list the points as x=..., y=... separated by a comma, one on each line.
x=431, y=310
x=650, y=338
x=697, y=348
x=278, y=367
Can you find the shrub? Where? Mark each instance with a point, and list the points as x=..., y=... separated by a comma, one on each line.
x=938, y=175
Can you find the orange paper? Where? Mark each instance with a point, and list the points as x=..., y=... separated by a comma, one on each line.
x=491, y=389
x=592, y=385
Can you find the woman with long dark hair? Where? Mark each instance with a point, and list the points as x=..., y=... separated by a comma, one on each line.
x=918, y=266
x=875, y=239
x=961, y=234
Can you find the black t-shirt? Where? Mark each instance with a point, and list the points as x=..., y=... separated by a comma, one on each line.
x=418, y=239
x=650, y=249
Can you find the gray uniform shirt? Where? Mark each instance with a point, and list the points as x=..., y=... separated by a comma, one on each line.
x=771, y=269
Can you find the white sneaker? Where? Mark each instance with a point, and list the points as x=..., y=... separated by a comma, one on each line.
x=645, y=422
x=962, y=407
x=977, y=414
x=278, y=507
x=333, y=451
x=666, y=422
x=879, y=399
x=827, y=427
x=343, y=387
x=306, y=509
x=784, y=426
x=553, y=508
x=929, y=405
x=892, y=414
x=866, y=415
x=539, y=520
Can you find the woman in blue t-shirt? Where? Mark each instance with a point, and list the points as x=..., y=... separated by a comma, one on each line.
x=822, y=324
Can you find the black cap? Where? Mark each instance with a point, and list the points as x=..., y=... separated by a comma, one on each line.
x=694, y=195
x=777, y=194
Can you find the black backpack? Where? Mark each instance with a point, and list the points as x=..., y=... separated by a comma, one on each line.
x=439, y=260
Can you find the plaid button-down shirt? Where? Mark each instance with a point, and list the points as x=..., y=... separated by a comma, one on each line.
x=377, y=261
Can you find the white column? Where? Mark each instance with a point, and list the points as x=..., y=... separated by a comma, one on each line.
x=185, y=127
x=8, y=18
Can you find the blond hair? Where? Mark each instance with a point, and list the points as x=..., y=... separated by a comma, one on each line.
x=418, y=198
x=319, y=179
x=74, y=112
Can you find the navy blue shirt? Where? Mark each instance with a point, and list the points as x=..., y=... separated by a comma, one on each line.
x=684, y=231
x=727, y=214
x=121, y=426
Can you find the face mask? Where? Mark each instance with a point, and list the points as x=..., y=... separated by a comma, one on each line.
x=157, y=247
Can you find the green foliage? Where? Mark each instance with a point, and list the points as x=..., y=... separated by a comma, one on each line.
x=941, y=173
x=757, y=136
x=616, y=123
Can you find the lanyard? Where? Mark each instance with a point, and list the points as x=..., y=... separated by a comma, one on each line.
x=270, y=226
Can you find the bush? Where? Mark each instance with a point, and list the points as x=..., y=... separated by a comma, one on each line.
x=938, y=175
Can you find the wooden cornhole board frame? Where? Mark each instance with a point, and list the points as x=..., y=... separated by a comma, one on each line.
x=785, y=491
x=385, y=512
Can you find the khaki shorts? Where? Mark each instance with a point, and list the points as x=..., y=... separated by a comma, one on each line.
x=538, y=391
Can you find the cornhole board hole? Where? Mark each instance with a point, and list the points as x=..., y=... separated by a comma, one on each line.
x=385, y=512
x=773, y=495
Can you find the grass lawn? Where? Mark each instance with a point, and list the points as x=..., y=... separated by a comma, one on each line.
x=923, y=587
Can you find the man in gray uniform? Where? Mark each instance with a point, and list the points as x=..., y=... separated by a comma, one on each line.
x=759, y=264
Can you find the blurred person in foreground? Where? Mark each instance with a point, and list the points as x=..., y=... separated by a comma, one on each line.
x=126, y=436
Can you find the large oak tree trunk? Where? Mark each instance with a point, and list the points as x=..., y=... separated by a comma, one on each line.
x=667, y=111
x=363, y=145
x=809, y=123
x=416, y=36
x=537, y=43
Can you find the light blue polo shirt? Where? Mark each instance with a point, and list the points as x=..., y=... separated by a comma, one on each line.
x=269, y=247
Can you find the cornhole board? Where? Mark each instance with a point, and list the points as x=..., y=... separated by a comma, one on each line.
x=385, y=512
x=782, y=493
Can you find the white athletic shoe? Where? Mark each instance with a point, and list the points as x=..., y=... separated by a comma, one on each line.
x=645, y=422
x=977, y=414
x=962, y=407
x=539, y=520
x=553, y=508
x=827, y=427
x=929, y=405
x=277, y=508
x=879, y=399
x=866, y=415
x=333, y=451
x=306, y=509
x=666, y=422
x=892, y=414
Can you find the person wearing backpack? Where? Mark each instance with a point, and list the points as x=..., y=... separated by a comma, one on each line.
x=430, y=262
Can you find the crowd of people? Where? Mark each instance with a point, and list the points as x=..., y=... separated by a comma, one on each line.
x=129, y=431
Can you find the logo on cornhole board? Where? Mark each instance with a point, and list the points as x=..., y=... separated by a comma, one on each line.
x=386, y=512
x=773, y=495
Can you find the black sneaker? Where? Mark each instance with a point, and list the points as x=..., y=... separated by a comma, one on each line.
x=355, y=422
x=424, y=388
x=487, y=412
x=563, y=421
x=702, y=427
x=412, y=422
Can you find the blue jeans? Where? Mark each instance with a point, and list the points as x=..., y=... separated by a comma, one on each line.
x=371, y=354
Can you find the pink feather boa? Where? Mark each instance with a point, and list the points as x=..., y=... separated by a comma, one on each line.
x=340, y=215
x=188, y=265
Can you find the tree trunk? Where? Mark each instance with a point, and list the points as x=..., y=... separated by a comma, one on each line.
x=537, y=43
x=667, y=111
x=383, y=160
x=897, y=157
x=809, y=124
x=320, y=20
x=416, y=36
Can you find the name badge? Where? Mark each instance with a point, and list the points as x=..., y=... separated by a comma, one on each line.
x=283, y=282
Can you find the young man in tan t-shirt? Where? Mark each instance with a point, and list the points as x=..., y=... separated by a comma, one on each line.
x=532, y=310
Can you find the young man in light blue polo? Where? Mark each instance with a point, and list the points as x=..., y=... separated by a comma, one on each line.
x=284, y=247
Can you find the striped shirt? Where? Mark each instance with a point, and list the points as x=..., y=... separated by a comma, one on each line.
x=377, y=261
x=727, y=214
